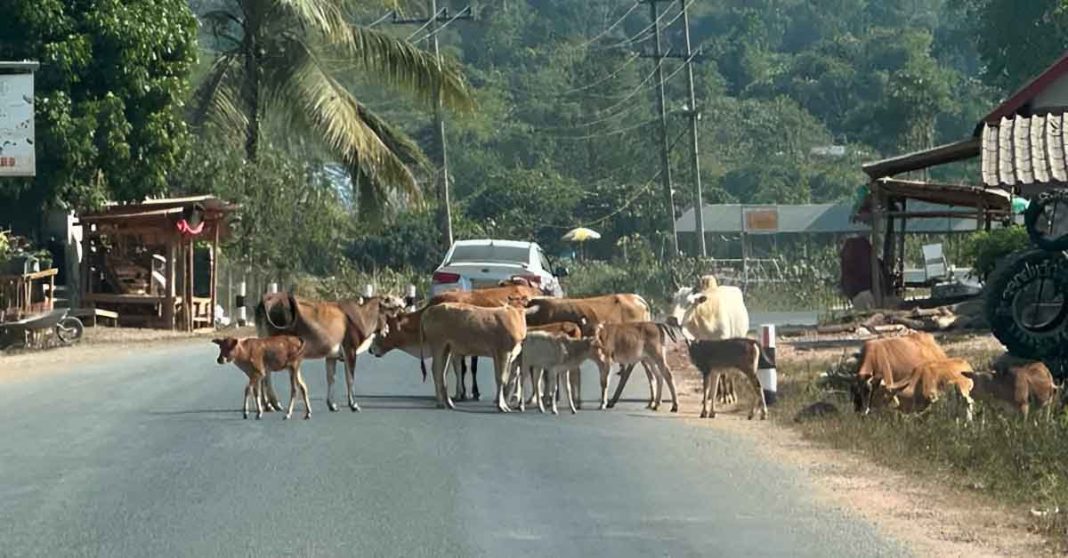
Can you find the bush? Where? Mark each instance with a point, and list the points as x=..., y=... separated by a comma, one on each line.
x=985, y=249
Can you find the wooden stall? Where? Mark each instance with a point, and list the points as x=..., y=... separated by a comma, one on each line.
x=140, y=261
x=27, y=294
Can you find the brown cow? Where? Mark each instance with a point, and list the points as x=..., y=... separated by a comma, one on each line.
x=462, y=329
x=257, y=358
x=489, y=297
x=884, y=361
x=330, y=330
x=712, y=356
x=629, y=344
x=402, y=332
x=607, y=309
x=1015, y=384
x=923, y=386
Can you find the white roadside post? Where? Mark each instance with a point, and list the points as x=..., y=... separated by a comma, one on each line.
x=766, y=373
x=272, y=288
x=410, y=298
x=368, y=290
x=242, y=311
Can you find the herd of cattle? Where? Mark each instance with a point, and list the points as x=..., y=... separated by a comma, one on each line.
x=530, y=338
x=533, y=339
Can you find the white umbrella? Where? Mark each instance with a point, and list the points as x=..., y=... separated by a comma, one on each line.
x=581, y=234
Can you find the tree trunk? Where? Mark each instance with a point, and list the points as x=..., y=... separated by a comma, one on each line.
x=252, y=96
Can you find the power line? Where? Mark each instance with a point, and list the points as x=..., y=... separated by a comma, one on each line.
x=609, y=29
x=609, y=133
x=429, y=21
x=459, y=15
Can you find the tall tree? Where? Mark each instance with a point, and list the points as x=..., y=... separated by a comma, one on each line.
x=289, y=58
x=112, y=75
x=1016, y=40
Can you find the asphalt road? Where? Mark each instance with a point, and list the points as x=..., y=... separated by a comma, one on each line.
x=147, y=455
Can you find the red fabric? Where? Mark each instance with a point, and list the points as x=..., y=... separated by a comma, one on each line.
x=185, y=229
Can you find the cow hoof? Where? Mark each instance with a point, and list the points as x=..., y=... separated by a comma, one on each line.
x=674, y=408
x=711, y=415
x=556, y=412
x=503, y=409
x=246, y=416
x=354, y=408
x=332, y=406
x=603, y=406
x=574, y=412
x=259, y=416
x=611, y=405
x=307, y=416
x=460, y=397
x=441, y=405
x=277, y=406
x=476, y=397
x=704, y=414
x=285, y=417
x=750, y=416
x=763, y=416
x=450, y=405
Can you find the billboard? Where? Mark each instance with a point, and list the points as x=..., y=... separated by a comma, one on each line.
x=16, y=125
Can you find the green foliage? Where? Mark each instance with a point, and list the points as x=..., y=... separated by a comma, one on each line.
x=113, y=74
x=984, y=250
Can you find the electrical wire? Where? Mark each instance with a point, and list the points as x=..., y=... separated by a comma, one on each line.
x=609, y=29
x=437, y=30
x=429, y=20
x=610, y=133
x=381, y=19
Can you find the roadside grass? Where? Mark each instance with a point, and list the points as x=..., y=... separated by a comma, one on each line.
x=1022, y=464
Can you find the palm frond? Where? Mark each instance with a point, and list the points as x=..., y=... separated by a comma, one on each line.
x=401, y=64
x=395, y=139
x=335, y=115
x=214, y=99
x=325, y=16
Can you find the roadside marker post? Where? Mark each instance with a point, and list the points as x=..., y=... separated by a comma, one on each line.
x=766, y=373
x=242, y=311
x=272, y=288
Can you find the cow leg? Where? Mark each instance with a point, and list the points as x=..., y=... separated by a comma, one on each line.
x=665, y=372
x=270, y=399
x=292, y=392
x=461, y=390
x=732, y=394
x=501, y=362
x=331, y=371
x=755, y=383
x=474, y=379
x=575, y=381
x=710, y=389
x=256, y=387
x=552, y=381
x=441, y=391
x=570, y=392
x=705, y=389
x=605, y=370
x=350, y=379
x=650, y=370
x=250, y=392
x=304, y=394
x=624, y=375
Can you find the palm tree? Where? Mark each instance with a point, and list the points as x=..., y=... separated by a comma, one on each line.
x=275, y=58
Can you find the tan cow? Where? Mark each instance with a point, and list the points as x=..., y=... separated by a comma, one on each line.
x=570, y=330
x=552, y=354
x=330, y=330
x=402, y=332
x=1016, y=383
x=462, y=329
x=607, y=309
x=257, y=358
x=924, y=385
x=885, y=361
x=631, y=343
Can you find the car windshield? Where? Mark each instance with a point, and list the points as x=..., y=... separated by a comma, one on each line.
x=488, y=253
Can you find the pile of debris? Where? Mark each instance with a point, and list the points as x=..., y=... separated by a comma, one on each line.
x=967, y=315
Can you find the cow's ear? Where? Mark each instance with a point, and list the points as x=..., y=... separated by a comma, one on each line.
x=700, y=299
x=218, y=342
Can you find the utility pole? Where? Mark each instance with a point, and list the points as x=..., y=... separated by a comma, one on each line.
x=694, y=117
x=665, y=163
x=443, y=190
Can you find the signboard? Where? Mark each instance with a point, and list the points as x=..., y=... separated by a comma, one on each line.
x=16, y=125
x=760, y=220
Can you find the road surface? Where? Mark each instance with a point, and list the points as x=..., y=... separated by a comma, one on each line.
x=147, y=455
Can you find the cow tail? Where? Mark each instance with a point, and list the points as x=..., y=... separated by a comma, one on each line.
x=300, y=350
x=667, y=330
x=645, y=303
x=422, y=359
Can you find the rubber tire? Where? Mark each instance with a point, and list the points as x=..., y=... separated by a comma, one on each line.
x=1031, y=215
x=999, y=307
x=69, y=330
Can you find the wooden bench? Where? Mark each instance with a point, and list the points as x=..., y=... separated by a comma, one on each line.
x=90, y=316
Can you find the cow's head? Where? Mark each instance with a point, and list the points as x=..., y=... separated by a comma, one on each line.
x=519, y=301
x=227, y=349
x=280, y=311
x=389, y=337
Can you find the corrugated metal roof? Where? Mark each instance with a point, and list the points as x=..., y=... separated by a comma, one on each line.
x=816, y=219
x=1025, y=151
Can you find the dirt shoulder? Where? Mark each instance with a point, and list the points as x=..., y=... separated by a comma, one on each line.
x=929, y=517
x=98, y=343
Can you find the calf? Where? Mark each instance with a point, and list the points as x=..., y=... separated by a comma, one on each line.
x=571, y=330
x=1016, y=383
x=553, y=353
x=923, y=386
x=631, y=343
x=884, y=361
x=462, y=329
x=712, y=356
x=258, y=357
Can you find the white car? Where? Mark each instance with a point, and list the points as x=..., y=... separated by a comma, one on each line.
x=475, y=264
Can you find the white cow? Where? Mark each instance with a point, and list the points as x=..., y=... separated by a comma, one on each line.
x=711, y=313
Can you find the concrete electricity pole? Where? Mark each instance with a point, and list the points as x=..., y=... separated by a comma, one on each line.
x=444, y=197
x=665, y=163
x=694, y=117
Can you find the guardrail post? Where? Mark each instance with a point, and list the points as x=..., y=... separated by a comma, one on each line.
x=766, y=373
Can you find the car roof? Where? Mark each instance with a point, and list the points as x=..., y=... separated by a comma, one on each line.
x=493, y=242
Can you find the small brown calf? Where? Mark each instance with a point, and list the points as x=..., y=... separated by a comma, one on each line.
x=712, y=356
x=925, y=384
x=1016, y=383
x=258, y=357
x=631, y=343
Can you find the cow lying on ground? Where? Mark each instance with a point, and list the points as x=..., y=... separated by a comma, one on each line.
x=712, y=312
x=462, y=329
x=551, y=354
x=885, y=361
x=257, y=358
x=711, y=357
x=631, y=343
x=1016, y=383
x=330, y=330
x=924, y=385
x=491, y=297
